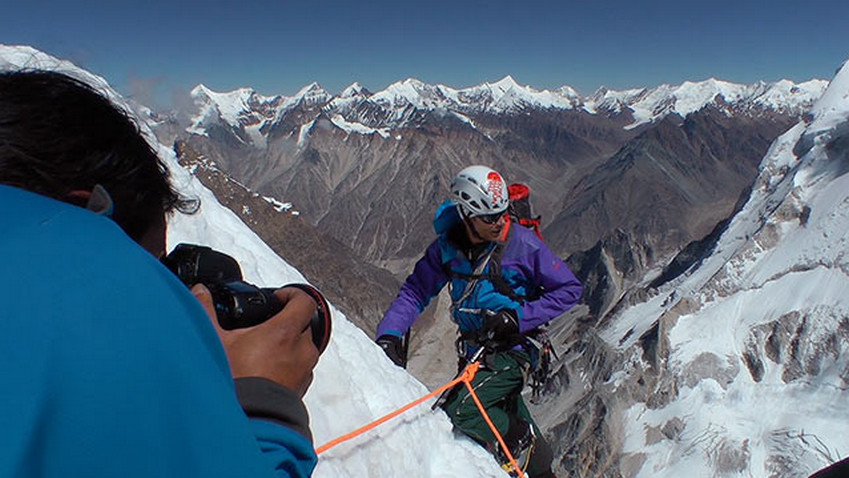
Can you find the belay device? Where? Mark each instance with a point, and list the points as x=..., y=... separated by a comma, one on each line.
x=239, y=304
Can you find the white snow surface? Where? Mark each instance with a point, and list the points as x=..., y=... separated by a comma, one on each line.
x=354, y=381
x=769, y=263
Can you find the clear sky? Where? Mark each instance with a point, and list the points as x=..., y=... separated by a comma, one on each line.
x=153, y=48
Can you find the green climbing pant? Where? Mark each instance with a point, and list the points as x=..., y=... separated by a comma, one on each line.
x=498, y=386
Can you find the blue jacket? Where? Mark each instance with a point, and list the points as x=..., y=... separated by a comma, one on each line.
x=528, y=267
x=110, y=367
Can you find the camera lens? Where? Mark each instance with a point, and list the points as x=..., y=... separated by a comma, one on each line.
x=320, y=325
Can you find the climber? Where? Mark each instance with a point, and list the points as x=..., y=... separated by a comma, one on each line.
x=504, y=284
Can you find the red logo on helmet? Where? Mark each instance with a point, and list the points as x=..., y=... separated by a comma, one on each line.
x=496, y=187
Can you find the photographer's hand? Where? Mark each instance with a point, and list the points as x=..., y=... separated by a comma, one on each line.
x=280, y=349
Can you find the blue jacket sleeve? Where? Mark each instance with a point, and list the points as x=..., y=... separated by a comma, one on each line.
x=427, y=279
x=280, y=423
x=561, y=290
x=290, y=454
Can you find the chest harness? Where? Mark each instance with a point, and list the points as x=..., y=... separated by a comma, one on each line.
x=536, y=342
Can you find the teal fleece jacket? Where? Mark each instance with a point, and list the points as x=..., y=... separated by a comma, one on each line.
x=111, y=368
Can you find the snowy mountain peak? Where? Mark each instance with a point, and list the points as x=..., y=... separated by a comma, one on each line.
x=313, y=94
x=505, y=84
x=230, y=101
x=567, y=91
x=241, y=108
x=412, y=92
x=355, y=89
x=785, y=94
x=605, y=100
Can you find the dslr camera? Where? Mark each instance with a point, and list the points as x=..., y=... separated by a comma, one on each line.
x=239, y=304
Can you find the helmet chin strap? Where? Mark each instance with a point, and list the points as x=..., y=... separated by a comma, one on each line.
x=468, y=221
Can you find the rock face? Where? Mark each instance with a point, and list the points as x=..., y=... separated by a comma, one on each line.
x=662, y=190
x=675, y=180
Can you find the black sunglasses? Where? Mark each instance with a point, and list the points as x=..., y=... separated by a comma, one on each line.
x=491, y=218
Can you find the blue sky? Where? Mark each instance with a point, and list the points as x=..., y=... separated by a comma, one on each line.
x=155, y=48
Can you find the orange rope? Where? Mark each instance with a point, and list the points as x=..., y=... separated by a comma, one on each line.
x=489, y=421
x=389, y=416
x=466, y=377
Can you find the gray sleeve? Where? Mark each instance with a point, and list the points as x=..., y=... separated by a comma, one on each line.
x=265, y=399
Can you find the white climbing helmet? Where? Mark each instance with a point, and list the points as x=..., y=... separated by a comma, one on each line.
x=479, y=191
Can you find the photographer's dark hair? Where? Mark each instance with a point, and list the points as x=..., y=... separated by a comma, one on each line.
x=57, y=135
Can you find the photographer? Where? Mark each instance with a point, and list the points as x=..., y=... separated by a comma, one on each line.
x=110, y=366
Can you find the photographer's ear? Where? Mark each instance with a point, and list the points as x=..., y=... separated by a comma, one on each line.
x=97, y=200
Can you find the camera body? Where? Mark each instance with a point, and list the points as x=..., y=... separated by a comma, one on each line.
x=239, y=304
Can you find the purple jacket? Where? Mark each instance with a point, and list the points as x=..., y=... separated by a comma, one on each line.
x=528, y=266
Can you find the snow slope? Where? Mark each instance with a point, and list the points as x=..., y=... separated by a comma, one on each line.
x=354, y=382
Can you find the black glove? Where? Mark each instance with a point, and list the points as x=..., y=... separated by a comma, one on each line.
x=502, y=326
x=391, y=345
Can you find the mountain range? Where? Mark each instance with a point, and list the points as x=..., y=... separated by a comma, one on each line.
x=639, y=173
x=357, y=110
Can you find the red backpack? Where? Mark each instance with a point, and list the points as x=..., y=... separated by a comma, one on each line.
x=520, y=207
